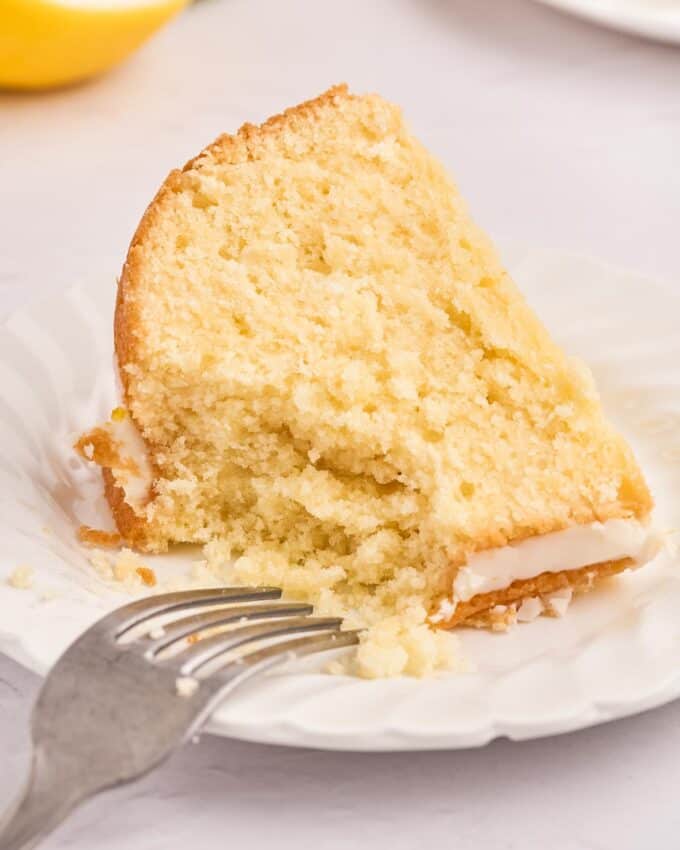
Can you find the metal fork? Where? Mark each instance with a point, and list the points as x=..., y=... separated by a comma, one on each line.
x=118, y=702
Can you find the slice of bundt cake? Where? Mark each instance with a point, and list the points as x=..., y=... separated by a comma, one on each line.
x=329, y=378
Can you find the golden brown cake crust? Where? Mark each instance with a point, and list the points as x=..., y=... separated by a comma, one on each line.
x=99, y=446
x=133, y=528
x=578, y=580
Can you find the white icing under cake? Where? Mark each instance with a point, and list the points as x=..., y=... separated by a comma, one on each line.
x=135, y=485
x=569, y=549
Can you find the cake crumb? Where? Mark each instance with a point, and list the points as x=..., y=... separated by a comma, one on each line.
x=499, y=618
x=97, y=445
x=126, y=566
x=147, y=575
x=102, y=565
x=336, y=668
x=403, y=644
x=186, y=686
x=97, y=537
x=22, y=577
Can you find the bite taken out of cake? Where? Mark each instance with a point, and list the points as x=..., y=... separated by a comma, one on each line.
x=331, y=382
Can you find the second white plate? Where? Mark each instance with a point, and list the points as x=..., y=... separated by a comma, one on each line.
x=617, y=651
x=655, y=19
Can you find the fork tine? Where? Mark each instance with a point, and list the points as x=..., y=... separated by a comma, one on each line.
x=196, y=656
x=264, y=659
x=299, y=647
x=129, y=616
x=180, y=629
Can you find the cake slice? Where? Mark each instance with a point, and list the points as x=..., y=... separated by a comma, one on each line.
x=329, y=378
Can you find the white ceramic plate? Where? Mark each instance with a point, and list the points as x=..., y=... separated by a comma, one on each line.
x=616, y=653
x=655, y=19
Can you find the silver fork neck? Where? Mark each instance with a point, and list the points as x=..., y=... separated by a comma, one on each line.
x=42, y=805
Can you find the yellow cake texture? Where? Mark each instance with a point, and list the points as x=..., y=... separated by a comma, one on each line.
x=338, y=387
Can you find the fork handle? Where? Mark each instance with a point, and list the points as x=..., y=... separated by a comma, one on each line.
x=42, y=806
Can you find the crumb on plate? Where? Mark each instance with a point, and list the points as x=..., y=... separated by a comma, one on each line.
x=98, y=537
x=22, y=577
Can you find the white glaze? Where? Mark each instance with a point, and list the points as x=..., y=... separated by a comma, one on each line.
x=569, y=549
x=131, y=446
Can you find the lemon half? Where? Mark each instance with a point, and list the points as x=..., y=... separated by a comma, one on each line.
x=46, y=43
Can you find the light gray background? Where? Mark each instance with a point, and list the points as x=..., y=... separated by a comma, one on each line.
x=560, y=135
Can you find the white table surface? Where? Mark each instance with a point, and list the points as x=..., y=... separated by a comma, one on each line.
x=559, y=134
